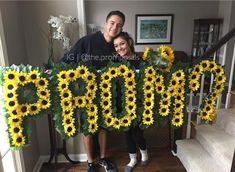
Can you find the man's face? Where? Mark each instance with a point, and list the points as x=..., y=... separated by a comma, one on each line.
x=113, y=26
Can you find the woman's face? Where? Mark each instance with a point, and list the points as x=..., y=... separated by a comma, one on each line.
x=121, y=46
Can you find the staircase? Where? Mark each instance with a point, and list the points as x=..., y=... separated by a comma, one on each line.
x=212, y=148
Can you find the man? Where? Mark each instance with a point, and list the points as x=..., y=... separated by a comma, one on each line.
x=97, y=49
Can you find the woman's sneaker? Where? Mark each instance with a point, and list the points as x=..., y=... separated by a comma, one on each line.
x=108, y=166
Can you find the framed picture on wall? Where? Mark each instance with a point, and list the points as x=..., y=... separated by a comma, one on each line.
x=153, y=28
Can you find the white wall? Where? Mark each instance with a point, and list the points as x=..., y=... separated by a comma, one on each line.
x=35, y=15
x=184, y=14
x=16, y=50
x=14, y=33
x=227, y=12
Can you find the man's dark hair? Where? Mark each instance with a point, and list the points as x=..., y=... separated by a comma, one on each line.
x=117, y=13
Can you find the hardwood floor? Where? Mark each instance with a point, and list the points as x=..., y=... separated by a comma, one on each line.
x=161, y=160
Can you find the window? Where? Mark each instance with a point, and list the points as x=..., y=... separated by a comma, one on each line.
x=9, y=160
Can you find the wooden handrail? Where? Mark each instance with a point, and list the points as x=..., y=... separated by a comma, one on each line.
x=219, y=44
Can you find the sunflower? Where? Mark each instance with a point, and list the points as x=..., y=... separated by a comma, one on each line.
x=150, y=71
x=34, y=109
x=210, y=101
x=166, y=52
x=33, y=75
x=219, y=71
x=69, y=129
x=178, y=104
x=198, y=69
x=80, y=101
x=130, y=108
x=66, y=94
x=107, y=112
x=18, y=140
x=178, y=113
x=105, y=85
x=106, y=95
x=177, y=121
x=9, y=86
x=165, y=103
x=159, y=80
x=92, y=118
x=179, y=74
x=62, y=85
x=220, y=79
x=91, y=77
x=130, y=74
x=22, y=78
x=212, y=66
x=163, y=111
x=41, y=83
x=12, y=76
x=147, y=119
x=194, y=85
x=122, y=70
x=112, y=72
x=68, y=120
x=45, y=103
x=62, y=75
x=148, y=87
x=205, y=64
x=71, y=75
x=160, y=89
x=132, y=116
x=92, y=109
x=147, y=112
x=205, y=115
x=130, y=92
x=43, y=93
x=150, y=79
x=17, y=129
x=90, y=95
x=106, y=77
x=10, y=95
x=11, y=104
x=130, y=83
x=15, y=112
x=14, y=120
x=116, y=123
x=106, y=103
x=148, y=104
x=109, y=120
x=166, y=95
x=174, y=84
x=149, y=95
x=93, y=127
x=91, y=86
x=125, y=122
x=145, y=54
x=81, y=70
x=194, y=76
x=130, y=99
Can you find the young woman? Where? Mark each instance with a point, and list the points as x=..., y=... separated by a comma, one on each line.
x=124, y=46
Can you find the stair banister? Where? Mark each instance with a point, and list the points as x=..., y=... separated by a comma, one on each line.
x=219, y=44
x=228, y=98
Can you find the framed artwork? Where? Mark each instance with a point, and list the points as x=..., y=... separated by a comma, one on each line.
x=153, y=28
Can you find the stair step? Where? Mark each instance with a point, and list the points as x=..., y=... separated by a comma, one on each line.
x=226, y=120
x=195, y=158
x=219, y=144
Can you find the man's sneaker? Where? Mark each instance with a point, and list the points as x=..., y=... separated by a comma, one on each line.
x=90, y=167
x=108, y=166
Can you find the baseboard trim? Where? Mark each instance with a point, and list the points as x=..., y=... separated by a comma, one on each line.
x=61, y=159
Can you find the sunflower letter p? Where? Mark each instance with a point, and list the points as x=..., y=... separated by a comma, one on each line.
x=26, y=94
